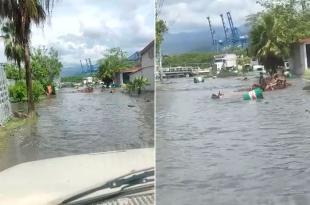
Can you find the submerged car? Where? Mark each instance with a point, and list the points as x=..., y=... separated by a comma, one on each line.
x=199, y=79
x=259, y=69
x=119, y=177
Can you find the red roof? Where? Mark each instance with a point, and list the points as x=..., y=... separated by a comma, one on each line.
x=305, y=40
x=132, y=70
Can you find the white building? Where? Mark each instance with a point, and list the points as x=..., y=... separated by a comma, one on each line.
x=227, y=61
x=147, y=66
x=300, y=57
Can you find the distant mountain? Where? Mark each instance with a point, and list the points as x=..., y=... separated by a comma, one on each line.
x=197, y=41
x=74, y=70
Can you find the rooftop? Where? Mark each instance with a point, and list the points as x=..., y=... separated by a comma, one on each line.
x=305, y=40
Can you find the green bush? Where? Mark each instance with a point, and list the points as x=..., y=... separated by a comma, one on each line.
x=138, y=84
x=37, y=90
x=18, y=91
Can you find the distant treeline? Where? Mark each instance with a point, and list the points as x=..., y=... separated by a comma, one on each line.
x=73, y=79
x=187, y=59
x=196, y=58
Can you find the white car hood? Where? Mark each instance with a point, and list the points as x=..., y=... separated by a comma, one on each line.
x=51, y=181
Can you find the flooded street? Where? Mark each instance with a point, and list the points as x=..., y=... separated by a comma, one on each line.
x=76, y=123
x=230, y=151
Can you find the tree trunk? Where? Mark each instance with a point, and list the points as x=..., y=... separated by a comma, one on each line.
x=29, y=80
x=139, y=91
x=19, y=70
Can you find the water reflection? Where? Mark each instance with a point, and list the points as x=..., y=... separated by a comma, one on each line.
x=75, y=123
x=232, y=151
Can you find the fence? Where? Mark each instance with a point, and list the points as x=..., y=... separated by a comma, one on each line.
x=5, y=106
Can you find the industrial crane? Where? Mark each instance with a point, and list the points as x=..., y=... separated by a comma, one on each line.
x=234, y=31
x=225, y=29
x=212, y=32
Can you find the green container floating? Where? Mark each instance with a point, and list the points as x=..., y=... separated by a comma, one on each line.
x=257, y=93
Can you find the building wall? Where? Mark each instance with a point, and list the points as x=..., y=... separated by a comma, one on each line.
x=147, y=71
x=147, y=59
x=5, y=106
x=298, y=60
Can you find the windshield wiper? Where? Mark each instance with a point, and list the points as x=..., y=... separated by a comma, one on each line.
x=123, y=182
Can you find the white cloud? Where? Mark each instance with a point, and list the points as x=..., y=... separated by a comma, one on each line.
x=188, y=15
x=86, y=28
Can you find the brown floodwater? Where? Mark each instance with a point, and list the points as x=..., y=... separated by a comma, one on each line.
x=230, y=151
x=77, y=123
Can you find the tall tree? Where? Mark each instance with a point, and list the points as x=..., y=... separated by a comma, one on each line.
x=113, y=62
x=275, y=30
x=161, y=28
x=13, y=50
x=24, y=13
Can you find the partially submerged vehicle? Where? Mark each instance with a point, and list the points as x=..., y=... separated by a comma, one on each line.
x=199, y=79
x=257, y=69
x=118, y=177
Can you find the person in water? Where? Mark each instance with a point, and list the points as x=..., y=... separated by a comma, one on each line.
x=217, y=96
x=262, y=81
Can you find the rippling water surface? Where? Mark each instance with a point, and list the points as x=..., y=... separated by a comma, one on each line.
x=76, y=123
x=230, y=151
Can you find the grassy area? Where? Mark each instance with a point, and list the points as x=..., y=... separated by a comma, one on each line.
x=15, y=123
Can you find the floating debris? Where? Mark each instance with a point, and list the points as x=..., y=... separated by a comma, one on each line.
x=217, y=96
x=257, y=93
x=20, y=115
x=273, y=82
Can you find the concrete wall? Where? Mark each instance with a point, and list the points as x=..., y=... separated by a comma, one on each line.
x=147, y=73
x=148, y=69
x=5, y=106
x=298, y=60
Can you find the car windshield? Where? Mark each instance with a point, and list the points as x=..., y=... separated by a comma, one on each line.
x=137, y=181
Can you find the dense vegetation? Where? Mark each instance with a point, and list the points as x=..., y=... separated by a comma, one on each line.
x=205, y=59
x=187, y=59
x=21, y=15
x=112, y=63
x=276, y=29
x=46, y=68
x=72, y=79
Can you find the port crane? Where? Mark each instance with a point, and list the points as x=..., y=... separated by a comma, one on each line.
x=232, y=34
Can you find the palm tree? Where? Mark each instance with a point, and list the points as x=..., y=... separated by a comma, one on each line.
x=140, y=83
x=13, y=50
x=23, y=13
x=267, y=43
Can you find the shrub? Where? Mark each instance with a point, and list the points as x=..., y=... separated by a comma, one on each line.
x=37, y=90
x=138, y=84
x=130, y=87
x=18, y=91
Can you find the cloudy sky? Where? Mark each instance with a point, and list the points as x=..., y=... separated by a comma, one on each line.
x=81, y=29
x=190, y=15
